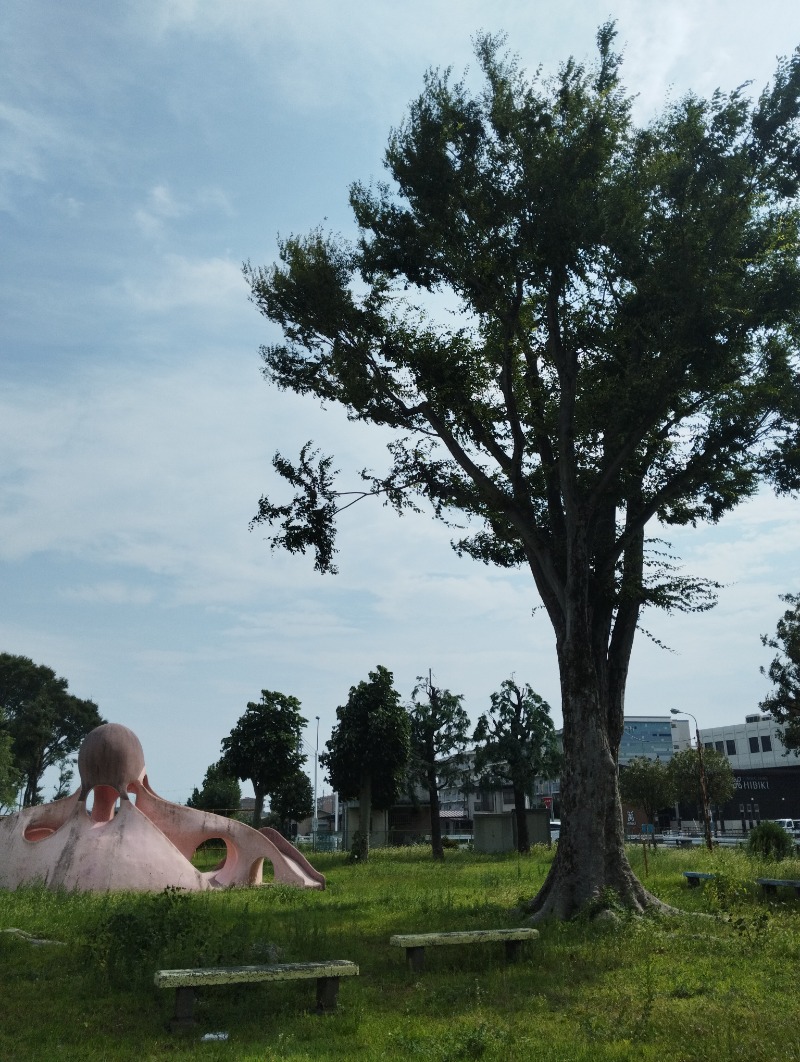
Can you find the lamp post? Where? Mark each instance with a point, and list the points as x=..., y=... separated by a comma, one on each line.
x=315, y=818
x=703, y=781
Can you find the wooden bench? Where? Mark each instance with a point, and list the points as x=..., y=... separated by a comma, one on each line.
x=770, y=885
x=695, y=877
x=185, y=982
x=416, y=943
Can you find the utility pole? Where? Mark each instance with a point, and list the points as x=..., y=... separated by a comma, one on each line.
x=314, y=821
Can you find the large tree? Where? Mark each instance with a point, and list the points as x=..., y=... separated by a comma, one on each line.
x=9, y=776
x=294, y=800
x=220, y=792
x=264, y=746
x=648, y=785
x=616, y=347
x=516, y=743
x=685, y=775
x=368, y=751
x=439, y=736
x=46, y=722
x=783, y=704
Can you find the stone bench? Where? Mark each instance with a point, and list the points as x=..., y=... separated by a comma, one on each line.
x=770, y=885
x=695, y=877
x=185, y=982
x=416, y=943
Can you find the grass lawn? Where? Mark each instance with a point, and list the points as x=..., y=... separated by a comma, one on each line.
x=681, y=988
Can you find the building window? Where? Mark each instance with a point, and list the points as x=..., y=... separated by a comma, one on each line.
x=731, y=746
x=766, y=743
x=719, y=746
x=754, y=744
x=709, y=745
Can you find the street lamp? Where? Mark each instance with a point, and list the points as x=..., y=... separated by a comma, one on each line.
x=703, y=782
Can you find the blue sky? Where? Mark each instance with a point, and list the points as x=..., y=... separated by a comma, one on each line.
x=147, y=150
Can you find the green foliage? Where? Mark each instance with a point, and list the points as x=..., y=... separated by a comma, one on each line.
x=264, y=745
x=46, y=722
x=367, y=754
x=783, y=704
x=292, y=801
x=439, y=736
x=371, y=739
x=649, y=989
x=770, y=841
x=220, y=792
x=166, y=930
x=9, y=776
x=684, y=774
x=647, y=784
x=615, y=344
x=516, y=742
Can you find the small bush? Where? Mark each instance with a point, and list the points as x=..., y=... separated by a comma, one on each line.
x=770, y=841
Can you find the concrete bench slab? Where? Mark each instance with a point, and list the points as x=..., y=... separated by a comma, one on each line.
x=416, y=943
x=695, y=877
x=771, y=885
x=185, y=982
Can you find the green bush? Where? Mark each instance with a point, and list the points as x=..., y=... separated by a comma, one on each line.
x=770, y=841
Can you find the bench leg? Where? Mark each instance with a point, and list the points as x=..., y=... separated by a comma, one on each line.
x=512, y=950
x=327, y=994
x=184, y=1010
x=416, y=959
x=694, y=883
x=770, y=889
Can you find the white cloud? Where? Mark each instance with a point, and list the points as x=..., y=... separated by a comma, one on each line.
x=178, y=282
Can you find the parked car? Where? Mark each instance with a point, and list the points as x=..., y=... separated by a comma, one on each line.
x=555, y=829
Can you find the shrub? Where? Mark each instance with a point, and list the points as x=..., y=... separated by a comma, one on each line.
x=770, y=841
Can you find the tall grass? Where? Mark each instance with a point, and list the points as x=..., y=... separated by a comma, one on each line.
x=718, y=982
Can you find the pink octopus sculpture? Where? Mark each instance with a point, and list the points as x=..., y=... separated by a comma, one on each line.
x=144, y=845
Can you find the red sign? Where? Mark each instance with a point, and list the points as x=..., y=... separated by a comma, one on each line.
x=548, y=802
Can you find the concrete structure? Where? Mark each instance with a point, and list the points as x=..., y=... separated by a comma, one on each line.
x=766, y=773
x=132, y=839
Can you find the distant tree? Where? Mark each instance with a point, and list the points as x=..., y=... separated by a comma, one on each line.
x=264, y=746
x=783, y=704
x=616, y=347
x=66, y=773
x=9, y=776
x=684, y=773
x=516, y=742
x=220, y=792
x=368, y=751
x=46, y=722
x=439, y=736
x=647, y=784
x=294, y=800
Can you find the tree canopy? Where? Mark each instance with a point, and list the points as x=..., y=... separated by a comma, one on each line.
x=45, y=721
x=368, y=750
x=783, y=704
x=684, y=772
x=294, y=800
x=220, y=792
x=647, y=784
x=516, y=743
x=264, y=746
x=439, y=735
x=575, y=327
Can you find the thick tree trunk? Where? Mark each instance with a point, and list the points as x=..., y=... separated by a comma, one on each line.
x=258, y=808
x=590, y=866
x=523, y=840
x=359, y=849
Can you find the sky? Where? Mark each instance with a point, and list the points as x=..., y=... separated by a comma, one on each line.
x=147, y=150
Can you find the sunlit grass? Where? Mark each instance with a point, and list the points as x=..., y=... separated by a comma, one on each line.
x=719, y=984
